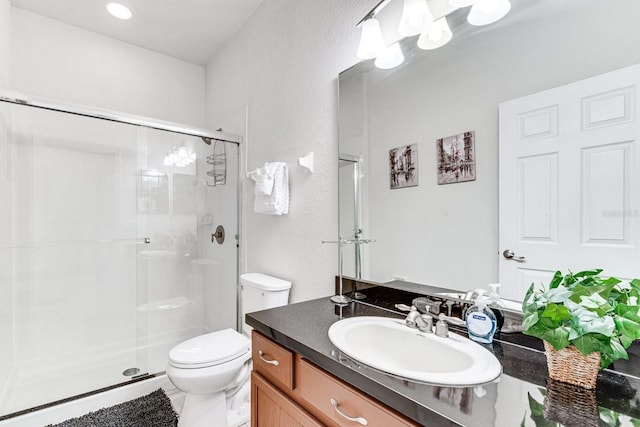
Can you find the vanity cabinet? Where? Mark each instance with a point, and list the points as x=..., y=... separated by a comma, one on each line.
x=288, y=390
x=271, y=407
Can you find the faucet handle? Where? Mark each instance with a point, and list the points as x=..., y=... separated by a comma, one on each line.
x=452, y=320
x=404, y=307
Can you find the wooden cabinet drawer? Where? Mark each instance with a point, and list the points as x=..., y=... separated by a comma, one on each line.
x=339, y=402
x=270, y=407
x=272, y=361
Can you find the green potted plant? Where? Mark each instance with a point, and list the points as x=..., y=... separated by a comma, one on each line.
x=586, y=322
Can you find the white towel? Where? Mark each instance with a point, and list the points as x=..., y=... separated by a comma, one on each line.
x=277, y=203
x=263, y=178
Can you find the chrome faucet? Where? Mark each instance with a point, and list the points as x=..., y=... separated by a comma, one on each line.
x=474, y=294
x=415, y=320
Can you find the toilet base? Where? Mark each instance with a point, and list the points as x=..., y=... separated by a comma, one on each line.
x=240, y=417
x=239, y=406
x=204, y=410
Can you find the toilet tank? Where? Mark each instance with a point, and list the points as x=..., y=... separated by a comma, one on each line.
x=260, y=292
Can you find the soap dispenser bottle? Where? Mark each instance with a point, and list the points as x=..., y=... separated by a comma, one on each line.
x=494, y=302
x=481, y=322
x=494, y=295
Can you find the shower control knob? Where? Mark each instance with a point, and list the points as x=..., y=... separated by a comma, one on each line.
x=218, y=236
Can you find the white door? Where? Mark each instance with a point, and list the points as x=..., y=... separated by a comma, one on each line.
x=570, y=181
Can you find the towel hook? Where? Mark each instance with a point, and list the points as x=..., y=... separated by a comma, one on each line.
x=306, y=161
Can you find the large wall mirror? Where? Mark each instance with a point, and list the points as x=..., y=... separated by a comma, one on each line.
x=448, y=235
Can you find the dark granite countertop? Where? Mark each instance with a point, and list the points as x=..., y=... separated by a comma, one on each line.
x=516, y=398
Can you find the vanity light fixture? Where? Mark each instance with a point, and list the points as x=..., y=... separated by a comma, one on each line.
x=390, y=57
x=485, y=12
x=119, y=11
x=416, y=16
x=371, y=41
x=417, y=19
x=437, y=35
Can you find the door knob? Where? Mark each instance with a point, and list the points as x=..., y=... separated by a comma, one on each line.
x=509, y=254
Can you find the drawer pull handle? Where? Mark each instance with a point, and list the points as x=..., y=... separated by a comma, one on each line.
x=273, y=362
x=360, y=420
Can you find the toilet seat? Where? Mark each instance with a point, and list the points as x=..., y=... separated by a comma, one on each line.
x=208, y=350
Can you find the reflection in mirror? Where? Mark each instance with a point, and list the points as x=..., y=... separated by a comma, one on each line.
x=447, y=235
x=349, y=213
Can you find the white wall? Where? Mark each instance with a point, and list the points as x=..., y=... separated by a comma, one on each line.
x=5, y=40
x=276, y=83
x=57, y=61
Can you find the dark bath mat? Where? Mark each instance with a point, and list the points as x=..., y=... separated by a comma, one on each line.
x=152, y=410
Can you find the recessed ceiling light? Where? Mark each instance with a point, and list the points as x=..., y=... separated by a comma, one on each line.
x=120, y=11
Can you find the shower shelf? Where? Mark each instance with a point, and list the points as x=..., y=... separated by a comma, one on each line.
x=218, y=162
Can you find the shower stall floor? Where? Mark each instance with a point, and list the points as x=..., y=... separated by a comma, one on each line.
x=76, y=408
x=33, y=384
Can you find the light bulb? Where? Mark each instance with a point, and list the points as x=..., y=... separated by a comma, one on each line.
x=391, y=57
x=371, y=41
x=460, y=3
x=435, y=36
x=484, y=12
x=416, y=15
x=488, y=6
x=119, y=11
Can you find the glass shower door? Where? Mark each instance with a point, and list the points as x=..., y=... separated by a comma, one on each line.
x=69, y=234
x=106, y=252
x=187, y=282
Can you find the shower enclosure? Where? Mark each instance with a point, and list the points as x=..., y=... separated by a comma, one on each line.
x=106, y=252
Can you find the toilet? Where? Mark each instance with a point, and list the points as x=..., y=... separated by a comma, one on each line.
x=214, y=369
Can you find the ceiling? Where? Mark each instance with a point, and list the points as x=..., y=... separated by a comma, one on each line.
x=191, y=30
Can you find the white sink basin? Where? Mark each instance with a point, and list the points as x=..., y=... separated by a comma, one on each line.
x=390, y=346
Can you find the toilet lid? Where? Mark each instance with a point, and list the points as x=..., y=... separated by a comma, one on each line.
x=209, y=349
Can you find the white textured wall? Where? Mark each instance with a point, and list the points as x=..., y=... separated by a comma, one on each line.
x=54, y=60
x=5, y=40
x=276, y=83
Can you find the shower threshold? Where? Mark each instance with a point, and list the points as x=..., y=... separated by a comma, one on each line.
x=79, y=396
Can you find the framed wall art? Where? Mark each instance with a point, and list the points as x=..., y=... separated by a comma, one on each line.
x=403, y=166
x=456, y=157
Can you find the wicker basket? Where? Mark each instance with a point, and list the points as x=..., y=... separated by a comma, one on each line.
x=570, y=366
x=571, y=405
